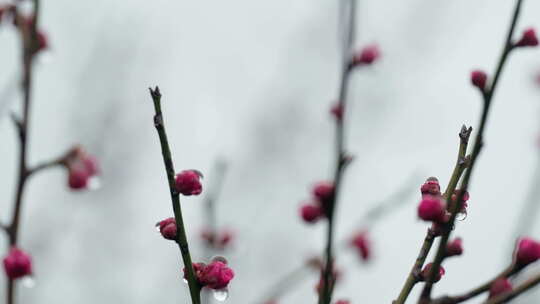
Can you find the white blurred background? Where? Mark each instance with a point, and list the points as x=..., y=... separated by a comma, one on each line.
x=252, y=82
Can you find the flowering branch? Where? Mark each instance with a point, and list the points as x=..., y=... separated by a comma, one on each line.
x=456, y=205
x=460, y=166
x=181, y=238
x=523, y=287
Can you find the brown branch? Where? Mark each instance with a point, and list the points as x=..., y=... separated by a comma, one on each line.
x=181, y=240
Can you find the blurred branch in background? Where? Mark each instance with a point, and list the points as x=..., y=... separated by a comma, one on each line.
x=370, y=218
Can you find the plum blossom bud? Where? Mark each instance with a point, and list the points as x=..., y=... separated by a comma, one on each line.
x=366, y=56
x=362, y=244
x=528, y=38
x=432, y=209
x=424, y=274
x=501, y=285
x=479, y=79
x=337, y=111
x=324, y=192
x=188, y=182
x=82, y=168
x=42, y=41
x=431, y=187
x=343, y=302
x=216, y=275
x=528, y=251
x=17, y=264
x=454, y=247
x=218, y=239
x=167, y=228
x=311, y=213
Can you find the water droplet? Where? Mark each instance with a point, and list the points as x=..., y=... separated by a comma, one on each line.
x=185, y=281
x=220, y=294
x=219, y=258
x=461, y=216
x=94, y=183
x=28, y=281
x=158, y=227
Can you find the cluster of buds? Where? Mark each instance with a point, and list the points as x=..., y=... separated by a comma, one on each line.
x=322, y=200
x=82, y=169
x=362, y=244
x=527, y=252
x=217, y=239
x=366, y=56
x=188, y=182
x=17, y=264
x=216, y=275
x=432, y=207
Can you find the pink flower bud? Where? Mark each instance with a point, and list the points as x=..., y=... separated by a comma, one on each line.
x=324, y=192
x=219, y=240
x=501, y=285
x=311, y=213
x=431, y=187
x=424, y=275
x=197, y=268
x=216, y=275
x=337, y=111
x=78, y=178
x=81, y=168
x=361, y=242
x=465, y=198
x=167, y=228
x=432, y=209
x=367, y=55
x=479, y=79
x=188, y=182
x=42, y=41
x=17, y=264
x=528, y=251
x=343, y=302
x=454, y=247
x=528, y=38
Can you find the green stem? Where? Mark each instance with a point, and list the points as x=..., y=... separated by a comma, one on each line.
x=181, y=240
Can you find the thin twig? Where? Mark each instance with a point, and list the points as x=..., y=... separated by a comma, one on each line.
x=29, y=41
x=181, y=240
x=325, y=296
x=456, y=206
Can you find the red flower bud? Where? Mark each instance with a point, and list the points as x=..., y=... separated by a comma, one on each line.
x=216, y=275
x=528, y=251
x=431, y=187
x=361, y=242
x=501, y=285
x=188, y=182
x=337, y=111
x=311, y=213
x=479, y=79
x=454, y=247
x=432, y=209
x=424, y=275
x=167, y=228
x=78, y=178
x=528, y=38
x=17, y=264
x=367, y=55
x=343, y=302
x=324, y=192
